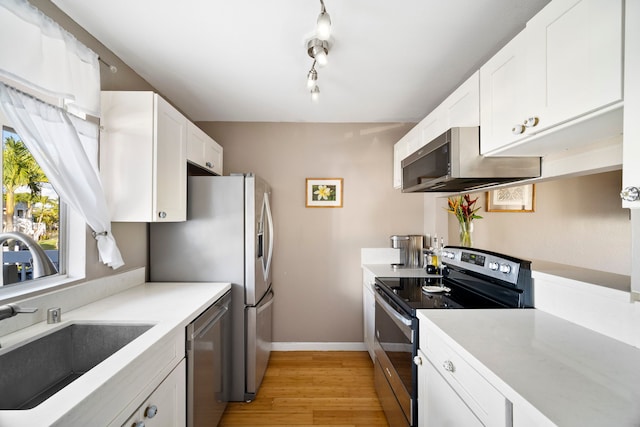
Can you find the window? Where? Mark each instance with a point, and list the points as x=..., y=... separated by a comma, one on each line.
x=60, y=231
x=31, y=208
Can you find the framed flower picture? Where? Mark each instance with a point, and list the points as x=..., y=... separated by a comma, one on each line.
x=324, y=193
x=512, y=199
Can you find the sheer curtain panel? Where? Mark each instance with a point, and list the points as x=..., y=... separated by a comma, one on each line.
x=41, y=58
x=49, y=133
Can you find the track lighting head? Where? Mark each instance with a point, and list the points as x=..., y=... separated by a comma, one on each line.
x=312, y=76
x=323, y=25
x=318, y=50
x=315, y=93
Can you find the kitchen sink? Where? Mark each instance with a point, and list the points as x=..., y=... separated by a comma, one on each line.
x=32, y=372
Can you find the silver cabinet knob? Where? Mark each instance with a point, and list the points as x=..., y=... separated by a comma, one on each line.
x=448, y=366
x=417, y=360
x=517, y=129
x=151, y=411
x=162, y=214
x=530, y=122
x=138, y=424
x=209, y=165
x=630, y=194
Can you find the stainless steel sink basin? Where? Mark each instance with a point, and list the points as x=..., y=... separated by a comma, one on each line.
x=33, y=372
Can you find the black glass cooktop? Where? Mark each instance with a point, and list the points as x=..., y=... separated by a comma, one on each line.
x=409, y=293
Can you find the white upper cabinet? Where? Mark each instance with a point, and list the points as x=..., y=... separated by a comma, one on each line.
x=461, y=108
x=202, y=150
x=143, y=162
x=565, y=68
x=501, y=95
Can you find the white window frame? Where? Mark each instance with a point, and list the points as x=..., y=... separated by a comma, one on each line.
x=73, y=255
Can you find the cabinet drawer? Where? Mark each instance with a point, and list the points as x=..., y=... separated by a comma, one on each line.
x=491, y=407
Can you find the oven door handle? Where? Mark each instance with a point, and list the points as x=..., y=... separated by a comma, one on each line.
x=403, y=322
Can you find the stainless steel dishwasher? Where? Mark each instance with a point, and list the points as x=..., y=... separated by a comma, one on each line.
x=208, y=364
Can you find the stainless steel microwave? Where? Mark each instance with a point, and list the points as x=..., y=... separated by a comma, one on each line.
x=452, y=163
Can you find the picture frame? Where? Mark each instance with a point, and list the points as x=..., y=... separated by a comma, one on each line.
x=324, y=192
x=512, y=199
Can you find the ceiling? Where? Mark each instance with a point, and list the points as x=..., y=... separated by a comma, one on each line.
x=246, y=60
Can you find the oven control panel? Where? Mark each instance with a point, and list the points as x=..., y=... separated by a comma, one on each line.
x=486, y=263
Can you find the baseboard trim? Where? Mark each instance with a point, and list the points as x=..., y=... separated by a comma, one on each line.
x=318, y=346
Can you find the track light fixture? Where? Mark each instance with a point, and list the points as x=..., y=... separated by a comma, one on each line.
x=315, y=93
x=318, y=50
x=312, y=77
x=323, y=25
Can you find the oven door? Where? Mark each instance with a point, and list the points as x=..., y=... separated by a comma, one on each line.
x=395, y=373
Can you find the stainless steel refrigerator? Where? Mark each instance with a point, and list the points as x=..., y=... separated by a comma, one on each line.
x=228, y=237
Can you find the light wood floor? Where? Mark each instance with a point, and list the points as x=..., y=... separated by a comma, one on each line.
x=312, y=389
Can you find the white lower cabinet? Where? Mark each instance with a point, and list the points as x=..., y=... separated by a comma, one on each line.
x=166, y=406
x=451, y=392
x=369, y=310
x=439, y=403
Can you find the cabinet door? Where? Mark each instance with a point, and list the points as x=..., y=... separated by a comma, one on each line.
x=369, y=309
x=213, y=156
x=574, y=60
x=502, y=95
x=400, y=151
x=631, y=140
x=170, y=173
x=196, y=140
x=439, y=404
x=166, y=406
x=432, y=126
x=462, y=107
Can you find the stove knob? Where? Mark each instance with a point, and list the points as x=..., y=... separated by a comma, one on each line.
x=493, y=266
x=451, y=255
x=505, y=268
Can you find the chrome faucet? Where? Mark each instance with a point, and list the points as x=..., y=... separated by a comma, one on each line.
x=42, y=265
x=11, y=310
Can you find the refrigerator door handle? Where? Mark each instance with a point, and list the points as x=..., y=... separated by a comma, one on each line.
x=267, y=269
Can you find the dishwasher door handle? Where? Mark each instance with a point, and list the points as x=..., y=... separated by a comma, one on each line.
x=205, y=328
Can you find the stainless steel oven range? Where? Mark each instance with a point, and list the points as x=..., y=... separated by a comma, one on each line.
x=471, y=278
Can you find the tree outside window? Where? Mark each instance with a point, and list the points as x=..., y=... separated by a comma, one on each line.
x=30, y=205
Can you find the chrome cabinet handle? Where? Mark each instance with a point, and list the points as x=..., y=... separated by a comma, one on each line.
x=630, y=194
x=417, y=360
x=530, y=122
x=209, y=165
x=448, y=366
x=162, y=214
x=517, y=129
x=151, y=411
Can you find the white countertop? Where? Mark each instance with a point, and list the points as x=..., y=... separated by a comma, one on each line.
x=601, y=278
x=169, y=306
x=571, y=375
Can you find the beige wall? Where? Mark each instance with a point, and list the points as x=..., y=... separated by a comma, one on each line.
x=577, y=221
x=316, y=272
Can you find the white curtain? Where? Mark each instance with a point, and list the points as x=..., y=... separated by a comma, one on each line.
x=38, y=57
x=50, y=135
